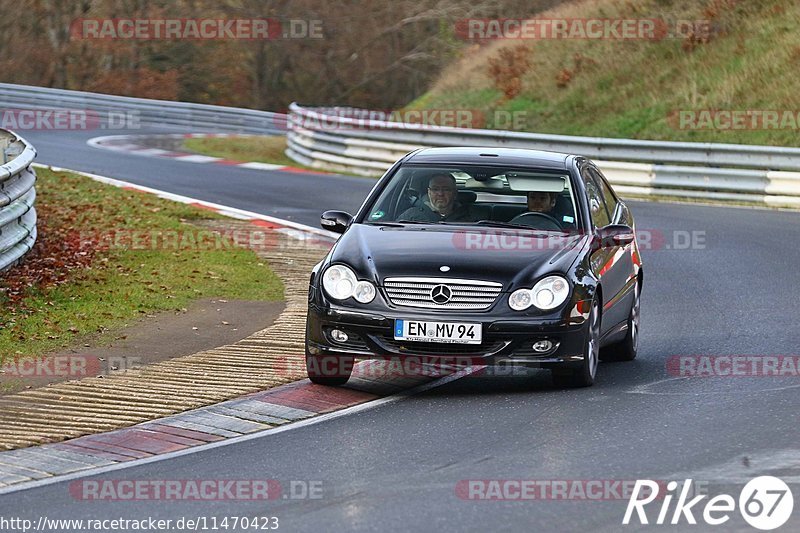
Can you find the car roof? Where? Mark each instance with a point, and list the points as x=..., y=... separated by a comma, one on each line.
x=491, y=156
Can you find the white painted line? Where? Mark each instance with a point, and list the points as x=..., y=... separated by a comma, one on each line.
x=231, y=214
x=118, y=143
x=197, y=158
x=102, y=142
x=255, y=165
x=244, y=438
x=151, y=151
x=645, y=388
x=120, y=147
x=222, y=209
x=293, y=233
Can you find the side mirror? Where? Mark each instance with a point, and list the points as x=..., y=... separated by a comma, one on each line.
x=615, y=235
x=336, y=221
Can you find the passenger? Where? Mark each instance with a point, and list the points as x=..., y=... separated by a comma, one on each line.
x=441, y=205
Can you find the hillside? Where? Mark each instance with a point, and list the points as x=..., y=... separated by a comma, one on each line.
x=677, y=87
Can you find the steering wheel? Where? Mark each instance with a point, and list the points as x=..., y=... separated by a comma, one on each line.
x=538, y=221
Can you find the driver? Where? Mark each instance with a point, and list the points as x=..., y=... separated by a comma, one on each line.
x=441, y=205
x=540, y=203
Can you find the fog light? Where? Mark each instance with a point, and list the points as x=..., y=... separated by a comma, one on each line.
x=542, y=346
x=339, y=335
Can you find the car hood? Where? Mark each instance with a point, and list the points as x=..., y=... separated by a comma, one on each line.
x=511, y=257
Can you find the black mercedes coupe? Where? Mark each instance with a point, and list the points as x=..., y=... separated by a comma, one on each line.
x=492, y=256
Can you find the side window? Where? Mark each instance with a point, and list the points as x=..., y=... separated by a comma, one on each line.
x=392, y=201
x=597, y=205
x=605, y=190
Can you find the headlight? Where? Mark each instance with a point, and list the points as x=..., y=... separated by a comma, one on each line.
x=550, y=292
x=340, y=283
x=520, y=299
x=365, y=292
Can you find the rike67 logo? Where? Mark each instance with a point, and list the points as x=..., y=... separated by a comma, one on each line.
x=765, y=503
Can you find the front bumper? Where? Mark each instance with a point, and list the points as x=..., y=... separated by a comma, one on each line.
x=505, y=340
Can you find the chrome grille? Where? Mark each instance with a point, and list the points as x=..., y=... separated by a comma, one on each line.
x=465, y=294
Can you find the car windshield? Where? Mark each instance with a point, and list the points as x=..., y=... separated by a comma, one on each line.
x=466, y=195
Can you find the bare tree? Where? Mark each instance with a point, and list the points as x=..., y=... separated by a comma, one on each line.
x=382, y=53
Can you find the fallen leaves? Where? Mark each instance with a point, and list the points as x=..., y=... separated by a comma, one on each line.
x=59, y=253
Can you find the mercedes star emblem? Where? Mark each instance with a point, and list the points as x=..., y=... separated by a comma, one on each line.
x=441, y=294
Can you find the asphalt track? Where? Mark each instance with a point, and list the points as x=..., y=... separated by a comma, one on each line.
x=396, y=467
x=291, y=196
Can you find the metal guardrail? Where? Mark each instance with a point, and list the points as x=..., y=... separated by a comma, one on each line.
x=145, y=111
x=17, y=178
x=331, y=139
x=17, y=196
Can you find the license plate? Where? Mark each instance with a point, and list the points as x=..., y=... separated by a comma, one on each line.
x=444, y=332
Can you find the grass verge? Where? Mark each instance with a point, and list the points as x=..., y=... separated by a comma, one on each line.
x=106, y=256
x=641, y=89
x=244, y=148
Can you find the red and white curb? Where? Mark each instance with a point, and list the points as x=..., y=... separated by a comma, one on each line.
x=252, y=416
x=132, y=144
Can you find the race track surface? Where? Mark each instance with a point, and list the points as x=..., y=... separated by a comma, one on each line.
x=397, y=467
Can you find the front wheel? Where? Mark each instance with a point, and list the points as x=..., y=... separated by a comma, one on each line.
x=585, y=373
x=328, y=369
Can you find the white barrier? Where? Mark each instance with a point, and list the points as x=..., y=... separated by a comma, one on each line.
x=332, y=139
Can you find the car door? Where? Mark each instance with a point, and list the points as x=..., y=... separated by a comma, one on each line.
x=607, y=262
x=624, y=270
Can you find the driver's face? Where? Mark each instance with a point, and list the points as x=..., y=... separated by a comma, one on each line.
x=442, y=193
x=541, y=202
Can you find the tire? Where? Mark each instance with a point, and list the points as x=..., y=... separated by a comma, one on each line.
x=626, y=349
x=584, y=374
x=316, y=369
